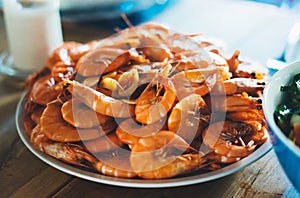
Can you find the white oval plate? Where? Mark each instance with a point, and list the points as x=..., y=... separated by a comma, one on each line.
x=138, y=183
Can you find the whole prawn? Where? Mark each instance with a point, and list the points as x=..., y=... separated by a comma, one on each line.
x=189, y=117
x=155, y=101
x=98, y=101
x=228, y=138
x=159, y=159
x=55, y=128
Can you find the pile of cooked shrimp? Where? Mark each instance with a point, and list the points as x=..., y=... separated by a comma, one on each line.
x=148, y=102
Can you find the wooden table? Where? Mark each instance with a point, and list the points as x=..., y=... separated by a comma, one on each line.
x=23, y=175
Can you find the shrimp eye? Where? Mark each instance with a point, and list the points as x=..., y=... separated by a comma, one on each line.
x=259, y=101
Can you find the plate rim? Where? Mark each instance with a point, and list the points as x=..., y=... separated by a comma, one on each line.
x=134, y=183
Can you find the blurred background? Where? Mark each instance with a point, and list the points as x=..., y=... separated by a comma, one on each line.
x=107, y=12
x=258, y=28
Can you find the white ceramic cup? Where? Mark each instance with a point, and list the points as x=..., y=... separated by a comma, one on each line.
x=33, y=30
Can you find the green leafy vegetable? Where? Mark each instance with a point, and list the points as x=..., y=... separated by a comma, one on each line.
x=289, y=106
x=282, y=117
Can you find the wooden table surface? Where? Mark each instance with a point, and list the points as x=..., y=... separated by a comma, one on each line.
x=23, y=175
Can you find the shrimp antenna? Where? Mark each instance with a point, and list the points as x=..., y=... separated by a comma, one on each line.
x=126, y=20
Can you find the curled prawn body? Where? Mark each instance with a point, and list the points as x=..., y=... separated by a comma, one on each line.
x=156, y=101
x=68, y=53
x=98, y=101
x=188, y=50
x=70, y=153
x=105, y=143
x=45, y=90
x=235, y=103
x=130, y=131
x=115, y=163
x=254, y=118
x=97, y=61
x=61, y=71
x=155, y=54
x=79, y=115
x=104, y=60
x=199, y=81
x=147, y=72
x=240, y=85
x=184, y=86
x=228, y=138
x=55, y=128
x=173, y=166
x=121, y=172
x=185, y=118
x=244, y=116
x=158, y=140
x=151, y=156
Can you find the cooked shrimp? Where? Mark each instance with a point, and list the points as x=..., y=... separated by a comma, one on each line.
x=155, y=101
x=68, y=53
x=188, y=49
x=115, y=163
x=98, y=101
x=148, y=71
x=129, y=131
x=256, y=119
x=103, y=144
x=55, y=128
x=228, y=138
x=184, y=87
x=155, y=54
x=61, y=71
x=199, y=81
x=97, y=61
x=237, y=102
x=155, y=157
x=158, y=140
x=185, y=118
x=240, y=85
x=104, y=60
x=244, y=116
x=45, y=90
x=153, y=166
x=79, y=115
x=70, y=153
x=261, y=133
